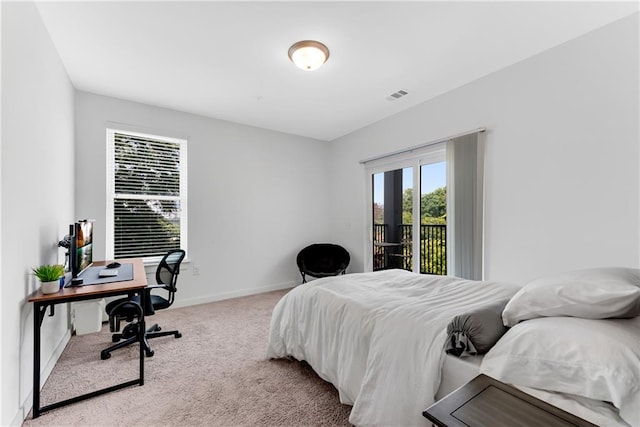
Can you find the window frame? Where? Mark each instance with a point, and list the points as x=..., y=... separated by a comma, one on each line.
x=112, y=195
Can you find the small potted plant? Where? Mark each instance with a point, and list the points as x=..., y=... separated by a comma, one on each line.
x=49, y=276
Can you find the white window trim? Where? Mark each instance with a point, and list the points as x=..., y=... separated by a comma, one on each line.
x=111, y=194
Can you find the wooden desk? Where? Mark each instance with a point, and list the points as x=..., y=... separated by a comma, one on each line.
x=81, y=293
x=487, y=402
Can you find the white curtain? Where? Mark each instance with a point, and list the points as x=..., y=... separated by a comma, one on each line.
x=465, y=171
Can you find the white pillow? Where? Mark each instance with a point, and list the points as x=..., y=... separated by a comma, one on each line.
x=597, y=359
x=596, y=293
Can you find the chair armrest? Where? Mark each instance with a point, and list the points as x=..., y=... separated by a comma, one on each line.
x=149, y=288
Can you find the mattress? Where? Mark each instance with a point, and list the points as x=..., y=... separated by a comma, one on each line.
x=456, y=372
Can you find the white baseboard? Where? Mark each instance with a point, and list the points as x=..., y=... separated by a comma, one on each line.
x=233, y=294
x=45, y=371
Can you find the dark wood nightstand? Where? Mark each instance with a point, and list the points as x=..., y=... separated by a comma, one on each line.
x=485, y=401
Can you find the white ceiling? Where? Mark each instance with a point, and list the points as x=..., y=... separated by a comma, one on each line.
x=228, y=60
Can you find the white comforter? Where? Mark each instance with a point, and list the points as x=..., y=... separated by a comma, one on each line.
x=377, y=337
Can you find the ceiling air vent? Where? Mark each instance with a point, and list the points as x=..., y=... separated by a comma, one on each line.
x=397, y=95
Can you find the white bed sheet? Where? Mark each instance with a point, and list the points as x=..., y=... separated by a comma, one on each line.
x=377, y=337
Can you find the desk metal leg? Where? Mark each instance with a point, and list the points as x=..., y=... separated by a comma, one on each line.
x=142, y=334
x=38, y=317
x=37, y=321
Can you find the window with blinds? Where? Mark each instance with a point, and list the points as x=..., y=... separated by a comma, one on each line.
x=147, y=198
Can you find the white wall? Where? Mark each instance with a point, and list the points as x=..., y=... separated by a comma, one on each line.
x=256, y=197
x=562, y=157
x=562, y=180
x=36, y=194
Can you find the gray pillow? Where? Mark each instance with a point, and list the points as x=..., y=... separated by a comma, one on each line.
x=476, y=331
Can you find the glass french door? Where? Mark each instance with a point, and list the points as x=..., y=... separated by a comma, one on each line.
x=409, y=227
x=433, y=218
x=392, y=219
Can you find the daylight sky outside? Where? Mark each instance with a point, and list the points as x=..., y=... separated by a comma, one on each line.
x=433, y=176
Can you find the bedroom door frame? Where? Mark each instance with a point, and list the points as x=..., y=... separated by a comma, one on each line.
x=414, y=159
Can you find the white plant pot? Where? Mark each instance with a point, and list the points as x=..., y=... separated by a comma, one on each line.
x=50, y=287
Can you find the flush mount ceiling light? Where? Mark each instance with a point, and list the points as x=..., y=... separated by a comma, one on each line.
x=308, y=54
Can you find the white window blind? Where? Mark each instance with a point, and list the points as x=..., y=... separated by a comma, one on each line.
x=147, y=197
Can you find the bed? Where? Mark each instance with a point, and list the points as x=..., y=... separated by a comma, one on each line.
x=379, y=338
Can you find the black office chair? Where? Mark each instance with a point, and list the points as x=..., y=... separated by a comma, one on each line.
x=118, y=310
x=322, y=260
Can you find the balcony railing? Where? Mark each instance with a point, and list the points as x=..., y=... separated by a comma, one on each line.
x=433, y=249
x=379, y=252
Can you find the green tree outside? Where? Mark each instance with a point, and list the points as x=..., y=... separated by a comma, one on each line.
x=433, y=207
x=433, y=211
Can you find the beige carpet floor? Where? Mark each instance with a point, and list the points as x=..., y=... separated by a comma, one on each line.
x=215, y=375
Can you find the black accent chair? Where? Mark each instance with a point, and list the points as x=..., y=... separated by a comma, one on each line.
x=122, y=309
x=322, y=260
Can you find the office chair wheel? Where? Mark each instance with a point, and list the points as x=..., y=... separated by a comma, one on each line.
x=178, y=335
x=149, y=353
x=115, y=338
x=157, y=328
x=105, y=355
